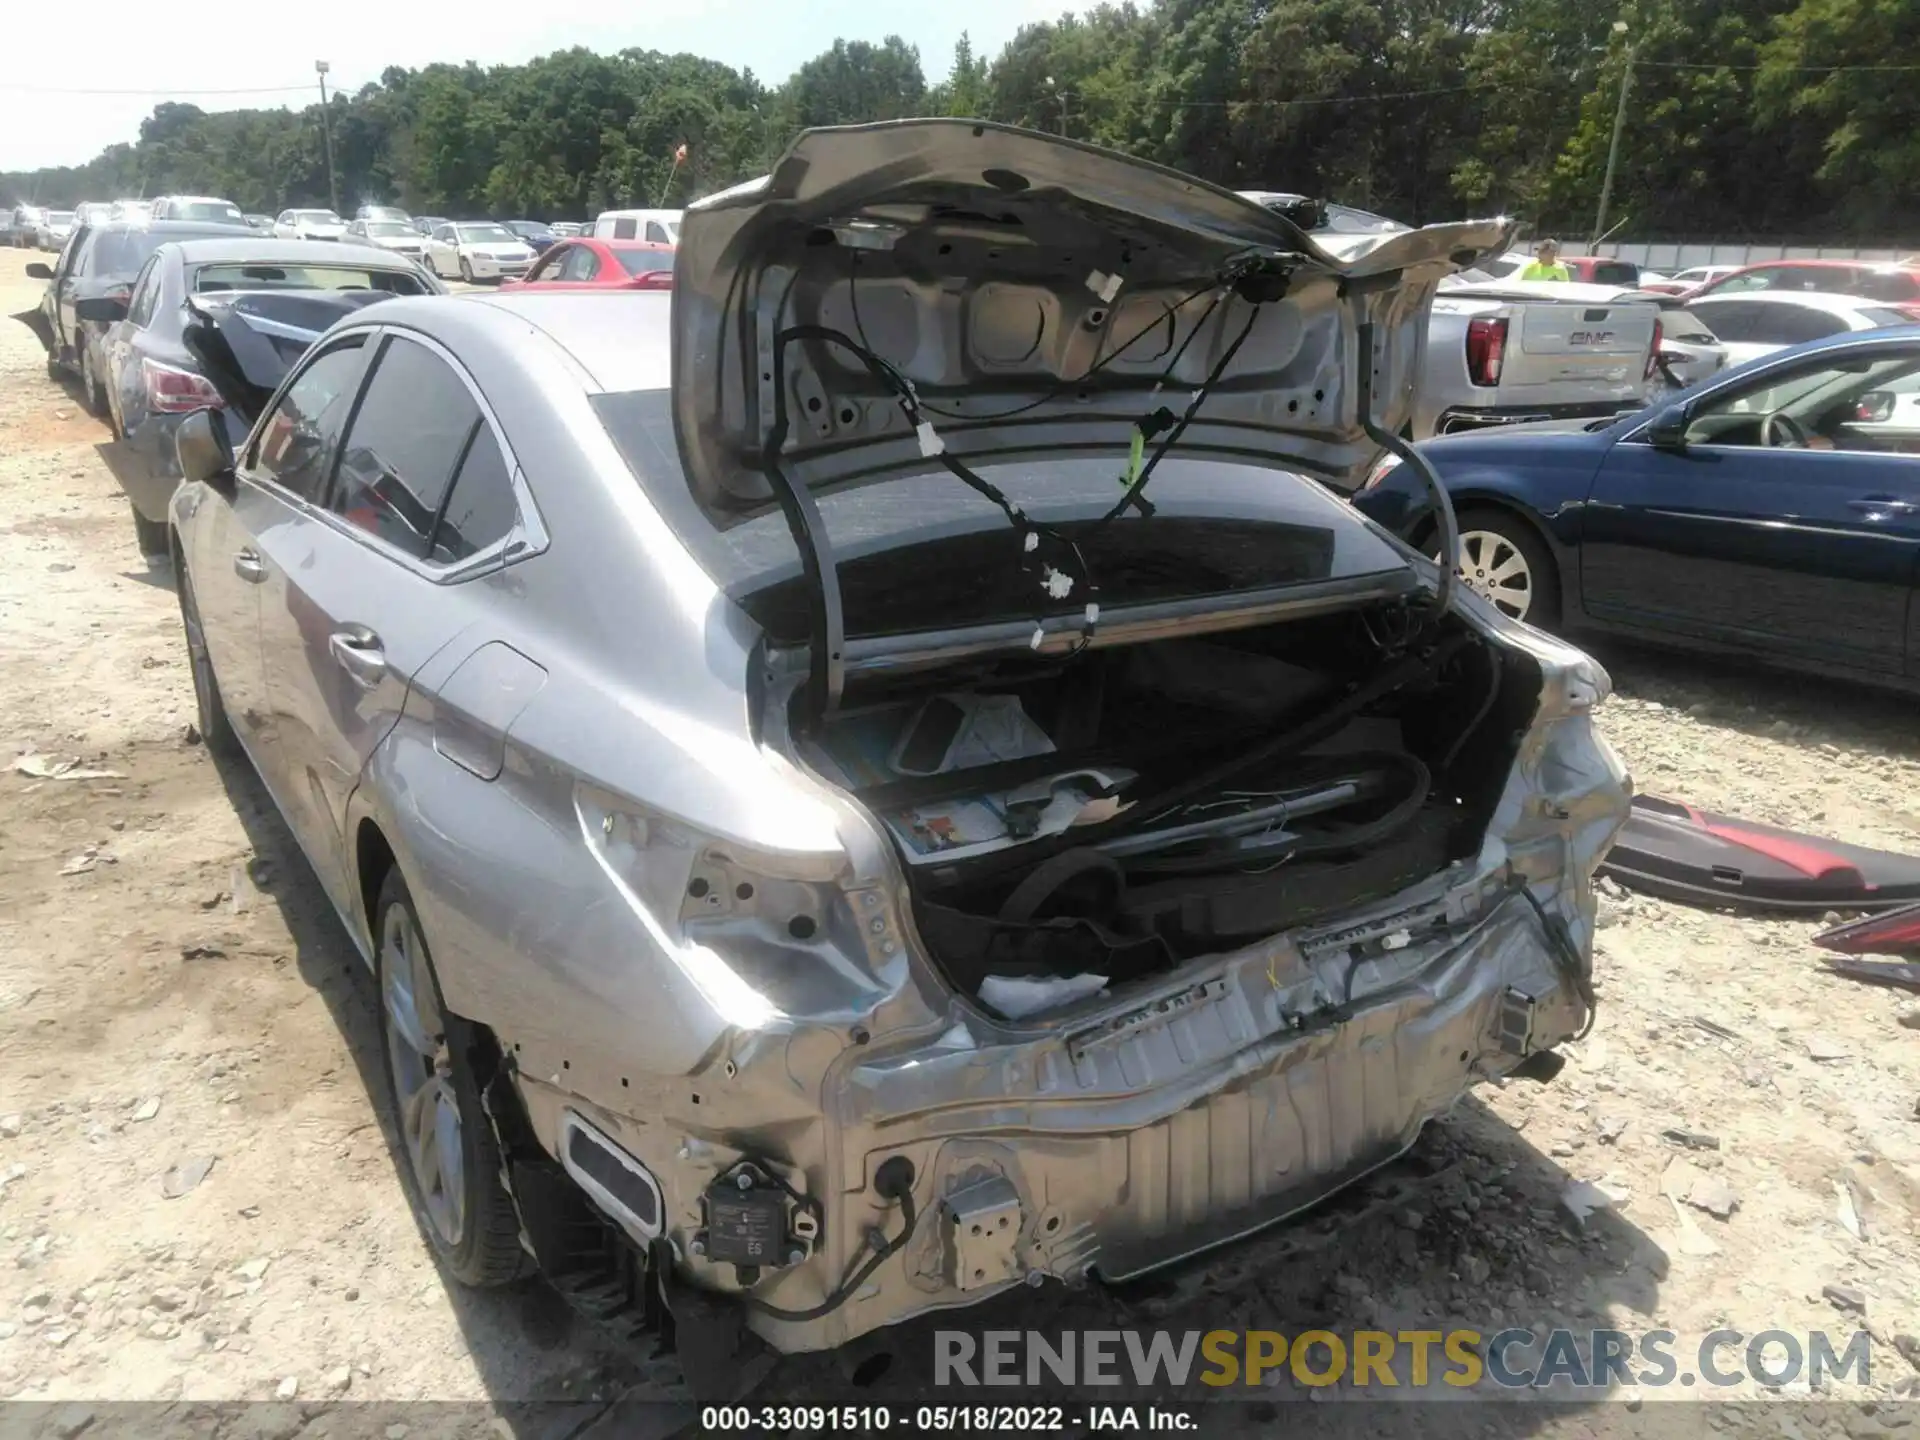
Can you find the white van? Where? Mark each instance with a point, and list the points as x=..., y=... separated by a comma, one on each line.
x=660, y=226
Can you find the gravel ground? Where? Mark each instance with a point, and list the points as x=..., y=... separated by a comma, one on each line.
x=174, y=991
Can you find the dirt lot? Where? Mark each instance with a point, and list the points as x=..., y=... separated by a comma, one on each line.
x=173, y=990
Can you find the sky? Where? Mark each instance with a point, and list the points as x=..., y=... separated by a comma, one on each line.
x=273, y=44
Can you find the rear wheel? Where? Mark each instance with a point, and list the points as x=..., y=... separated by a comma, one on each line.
x=93, y=395
x=1504, y=561
x=453, y=1160
x=216, y=730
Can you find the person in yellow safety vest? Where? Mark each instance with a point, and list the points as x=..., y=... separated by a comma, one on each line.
x=1546, y=263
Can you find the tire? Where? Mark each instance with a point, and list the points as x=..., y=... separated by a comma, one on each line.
x=216, y=730
x=1503, y=559
x=460, y=1204
x=94, y=397
x=55, y=370
x=152, y=534
x=466, y=270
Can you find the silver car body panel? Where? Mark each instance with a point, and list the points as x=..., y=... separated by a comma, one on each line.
x=578, y=729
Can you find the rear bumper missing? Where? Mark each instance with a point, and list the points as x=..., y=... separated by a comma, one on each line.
x=1465, y=417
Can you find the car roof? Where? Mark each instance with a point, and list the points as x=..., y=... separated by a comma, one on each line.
x=623, y=340
x=1881, y=266
x=642, y=245
x=184, y=229
x=1810, y=299
x=262, y=250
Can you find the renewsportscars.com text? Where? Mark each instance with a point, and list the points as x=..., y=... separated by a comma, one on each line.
x=1411, y=1359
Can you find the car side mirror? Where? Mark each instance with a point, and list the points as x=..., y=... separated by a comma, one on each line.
x=200, y=442
x=102, y=309
x=1669, y=429
x=38, y=271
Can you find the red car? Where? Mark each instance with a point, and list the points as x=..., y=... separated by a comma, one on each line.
x=1886, y=281
x=1601, y=270
x=590, y=264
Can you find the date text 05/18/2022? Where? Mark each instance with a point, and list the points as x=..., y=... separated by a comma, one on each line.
x=944, y=1419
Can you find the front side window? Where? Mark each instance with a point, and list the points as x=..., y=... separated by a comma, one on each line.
x=1858, y=403
x=413, y=426
x=581, y=265
x=296, y=445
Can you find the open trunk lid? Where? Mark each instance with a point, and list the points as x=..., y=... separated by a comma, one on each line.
x=1036, y=295
x=246, y=343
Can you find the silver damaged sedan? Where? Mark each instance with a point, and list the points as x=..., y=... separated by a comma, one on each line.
x=889, y=774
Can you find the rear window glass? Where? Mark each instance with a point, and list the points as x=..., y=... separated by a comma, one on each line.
x=1614, y=272
x=207, y=210
x=924, y=551
x=1881, y=315
x=307, y=277
x=643, y=262
x=123, y=252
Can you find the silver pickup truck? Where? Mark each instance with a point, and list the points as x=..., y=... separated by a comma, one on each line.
x=1502, y=351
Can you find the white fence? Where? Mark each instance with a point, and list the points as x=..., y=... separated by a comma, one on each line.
x=1672, y=257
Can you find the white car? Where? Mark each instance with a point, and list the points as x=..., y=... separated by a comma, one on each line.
x=399, y=236
x=309, y=225
x=25, y=227
x=383, y=212
x=478, y=250
x=1752, y=323
x=662, y=227
x=207, y=209
x=54, y=228
x=134, y=212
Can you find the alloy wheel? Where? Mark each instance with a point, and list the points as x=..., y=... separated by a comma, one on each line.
x=1492, y=566
x=429, y=1111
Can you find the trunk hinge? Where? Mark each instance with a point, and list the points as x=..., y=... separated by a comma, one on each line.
x=1448, y=525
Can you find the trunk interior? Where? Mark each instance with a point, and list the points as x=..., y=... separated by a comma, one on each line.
x=1115, y=813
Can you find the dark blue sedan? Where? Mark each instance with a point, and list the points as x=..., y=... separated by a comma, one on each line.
x=1773, y=511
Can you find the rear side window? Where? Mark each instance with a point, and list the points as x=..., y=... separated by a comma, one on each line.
x=482, y=509
x=628, y=229
x=398, y=461
x=1895, y=286
x=146, y=290
x=298, y=441
x=1795, y=325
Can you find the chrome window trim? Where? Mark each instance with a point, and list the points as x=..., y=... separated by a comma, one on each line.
x=526, y=537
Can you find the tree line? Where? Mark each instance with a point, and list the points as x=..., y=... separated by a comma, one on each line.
x=1744, y=119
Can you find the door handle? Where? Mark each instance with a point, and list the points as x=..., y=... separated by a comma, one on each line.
x=249, y=567
x=1883, y=505
x=357, y=650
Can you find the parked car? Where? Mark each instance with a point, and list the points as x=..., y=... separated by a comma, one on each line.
x=1893, y=284
x=1760, y=322
x=54, y=230
x=539, y=237
x=99, y=261
x=1682, y=281
x=383, y=213
x=497, y=693
x=427, y=224
x=1602, y=270
x=1500, y=352
x=24, y=231
x=309, y=225
x=567, y=229
x=151, y=377
x=1773, y=512
x=201, y=209
x=92, y=212
x=478, y=250
x=601, y=265
x=130, y=210
x=260, y=224
x=1689, y=351
x=660, y=226
x=395, y=235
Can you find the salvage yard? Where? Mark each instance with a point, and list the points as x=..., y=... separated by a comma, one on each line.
x=199, y=1200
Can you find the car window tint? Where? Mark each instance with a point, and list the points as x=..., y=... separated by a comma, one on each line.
x=583, y=264
x=656, y=232
x=1730, y=320
x=297, y=442
x=145, y=291
x=1795, y=325
x=626, y=229
x=1897, y=286
x=482, y=508
x=400, y=454
x=549, y=265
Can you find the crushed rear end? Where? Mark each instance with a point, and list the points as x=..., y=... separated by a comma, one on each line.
x=1190, y=857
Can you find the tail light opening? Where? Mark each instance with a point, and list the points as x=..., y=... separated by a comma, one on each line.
x=1486, y=350
x=176, y=392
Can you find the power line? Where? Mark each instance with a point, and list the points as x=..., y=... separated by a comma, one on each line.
x=1794, y=69
x=61, y=90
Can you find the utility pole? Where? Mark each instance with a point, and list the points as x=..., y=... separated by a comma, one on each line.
x=1613, y=148
x=320, y=68
x=1060, y=95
